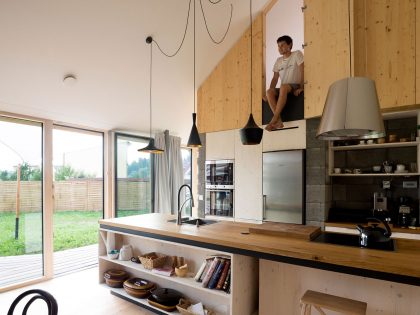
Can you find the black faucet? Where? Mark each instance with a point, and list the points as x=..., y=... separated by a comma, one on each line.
x=178, y=217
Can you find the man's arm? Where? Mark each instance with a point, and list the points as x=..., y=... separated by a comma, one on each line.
x=300, y=89
x=274, y=80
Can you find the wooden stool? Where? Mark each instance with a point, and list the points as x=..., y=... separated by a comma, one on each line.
x=330, y=302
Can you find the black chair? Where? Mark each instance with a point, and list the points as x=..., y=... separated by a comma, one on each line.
x=38, y=294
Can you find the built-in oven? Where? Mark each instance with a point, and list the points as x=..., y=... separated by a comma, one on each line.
x=219, y=174
x=219, y=202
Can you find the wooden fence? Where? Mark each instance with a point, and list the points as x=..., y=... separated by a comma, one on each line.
x=75, y=195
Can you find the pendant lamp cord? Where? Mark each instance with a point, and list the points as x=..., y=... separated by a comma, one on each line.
x=194, y=57
x=207, y=28
x=150, y=89
x=205, y=22
x=250, y=19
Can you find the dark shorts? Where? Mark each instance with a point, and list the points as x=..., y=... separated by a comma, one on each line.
x=294, y=86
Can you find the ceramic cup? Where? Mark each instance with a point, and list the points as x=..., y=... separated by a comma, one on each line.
x=337, y=170
x=388, y=168
x=400, y=167
x=357, y=171
x=376, y=168
x=362, y=142
x=370, y=141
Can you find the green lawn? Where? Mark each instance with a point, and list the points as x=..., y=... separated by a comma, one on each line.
x=71, y=229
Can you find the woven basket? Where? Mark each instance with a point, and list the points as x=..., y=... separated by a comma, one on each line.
x=184, y=304
x=152, y=260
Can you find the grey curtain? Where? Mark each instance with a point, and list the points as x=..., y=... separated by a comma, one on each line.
x=168, y=172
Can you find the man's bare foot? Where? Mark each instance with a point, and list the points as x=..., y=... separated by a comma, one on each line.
x=278, y=125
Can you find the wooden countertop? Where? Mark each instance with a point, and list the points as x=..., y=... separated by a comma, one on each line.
x=402, y=265
x=393, y=228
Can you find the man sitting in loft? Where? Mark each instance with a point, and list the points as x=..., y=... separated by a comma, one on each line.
x=289, y=68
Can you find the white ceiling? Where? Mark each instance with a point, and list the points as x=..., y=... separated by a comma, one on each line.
x=102, y=42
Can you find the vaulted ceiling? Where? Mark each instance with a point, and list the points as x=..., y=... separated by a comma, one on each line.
x=102, y=43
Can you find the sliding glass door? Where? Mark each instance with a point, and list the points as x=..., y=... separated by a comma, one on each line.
x=21, y=206
x=78, y=197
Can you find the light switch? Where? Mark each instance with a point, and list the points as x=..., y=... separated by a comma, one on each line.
x=200, y=197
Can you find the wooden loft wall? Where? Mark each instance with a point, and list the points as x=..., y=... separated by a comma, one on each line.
x=223, y=98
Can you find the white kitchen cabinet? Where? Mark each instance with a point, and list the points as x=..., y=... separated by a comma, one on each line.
x=220, y=145
x=286, y=139
x=248, y=181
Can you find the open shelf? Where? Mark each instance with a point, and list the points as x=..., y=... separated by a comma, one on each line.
x=141, y=302
x=375, y=146
x=375, y=174
x=186, y=281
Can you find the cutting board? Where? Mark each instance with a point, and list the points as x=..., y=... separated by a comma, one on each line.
x=304, y=232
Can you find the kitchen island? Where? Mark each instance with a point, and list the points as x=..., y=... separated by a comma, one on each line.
x=287, y=266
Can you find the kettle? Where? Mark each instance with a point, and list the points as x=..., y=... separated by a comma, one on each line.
x=372, y=233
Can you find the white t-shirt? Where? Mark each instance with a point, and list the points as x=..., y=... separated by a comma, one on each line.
x=288, y=68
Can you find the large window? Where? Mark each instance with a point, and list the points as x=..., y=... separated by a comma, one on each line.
x=21, y=207
x=78, y=197
x=133, y=184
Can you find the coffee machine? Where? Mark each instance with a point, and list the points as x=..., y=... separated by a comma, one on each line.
x=404, y=212
x=380, y=207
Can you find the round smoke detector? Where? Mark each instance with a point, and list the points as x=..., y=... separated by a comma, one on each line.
x=69, y=80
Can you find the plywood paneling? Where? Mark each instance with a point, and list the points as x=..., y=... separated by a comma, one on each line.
x=385, y=47
x=418, y=52
x=223, y=99
x=327, y=52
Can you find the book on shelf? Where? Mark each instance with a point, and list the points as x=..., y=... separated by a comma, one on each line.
x=226, y=285
x=206, y=268
x=209, y=273
x=222, y=278
x=216, y=274
x=200, y=271
x=164, y=271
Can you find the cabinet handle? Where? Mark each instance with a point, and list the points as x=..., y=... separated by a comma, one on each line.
x=304, y=7
x=305, y=82
x=304, y=45
x=264, y=203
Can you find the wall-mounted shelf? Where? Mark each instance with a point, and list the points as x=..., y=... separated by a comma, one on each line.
x=376, y=174
x=334, y=151
x=375, y=146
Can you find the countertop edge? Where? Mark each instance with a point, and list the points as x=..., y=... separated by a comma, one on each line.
x=311, y=263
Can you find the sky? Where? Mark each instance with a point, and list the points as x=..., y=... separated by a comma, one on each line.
x=23, y=143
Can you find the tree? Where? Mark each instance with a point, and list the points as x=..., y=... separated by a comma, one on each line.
x=66, y=172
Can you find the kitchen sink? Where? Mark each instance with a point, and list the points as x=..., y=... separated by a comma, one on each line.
x=351, y=240
x=194, y=221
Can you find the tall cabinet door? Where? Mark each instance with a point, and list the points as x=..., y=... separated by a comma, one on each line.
x=327, y=57
x=385, y=48
x=248, y=181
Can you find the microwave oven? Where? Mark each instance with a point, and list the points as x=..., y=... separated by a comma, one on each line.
x=220, y=174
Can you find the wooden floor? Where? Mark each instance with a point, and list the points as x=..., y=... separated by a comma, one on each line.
x=15, y=269
x=76, y=293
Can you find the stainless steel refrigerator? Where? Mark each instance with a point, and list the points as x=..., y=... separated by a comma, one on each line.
x=284, y=186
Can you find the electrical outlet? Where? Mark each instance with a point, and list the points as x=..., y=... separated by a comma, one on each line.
x=386, y=184
x=410, y=184
x=200, y=197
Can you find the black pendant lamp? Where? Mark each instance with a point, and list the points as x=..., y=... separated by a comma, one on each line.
x=251, y=134
x=150, y=148
x=194, y=139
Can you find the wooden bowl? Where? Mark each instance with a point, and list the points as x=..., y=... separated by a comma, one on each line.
x=114, y=283
x=181, y=272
